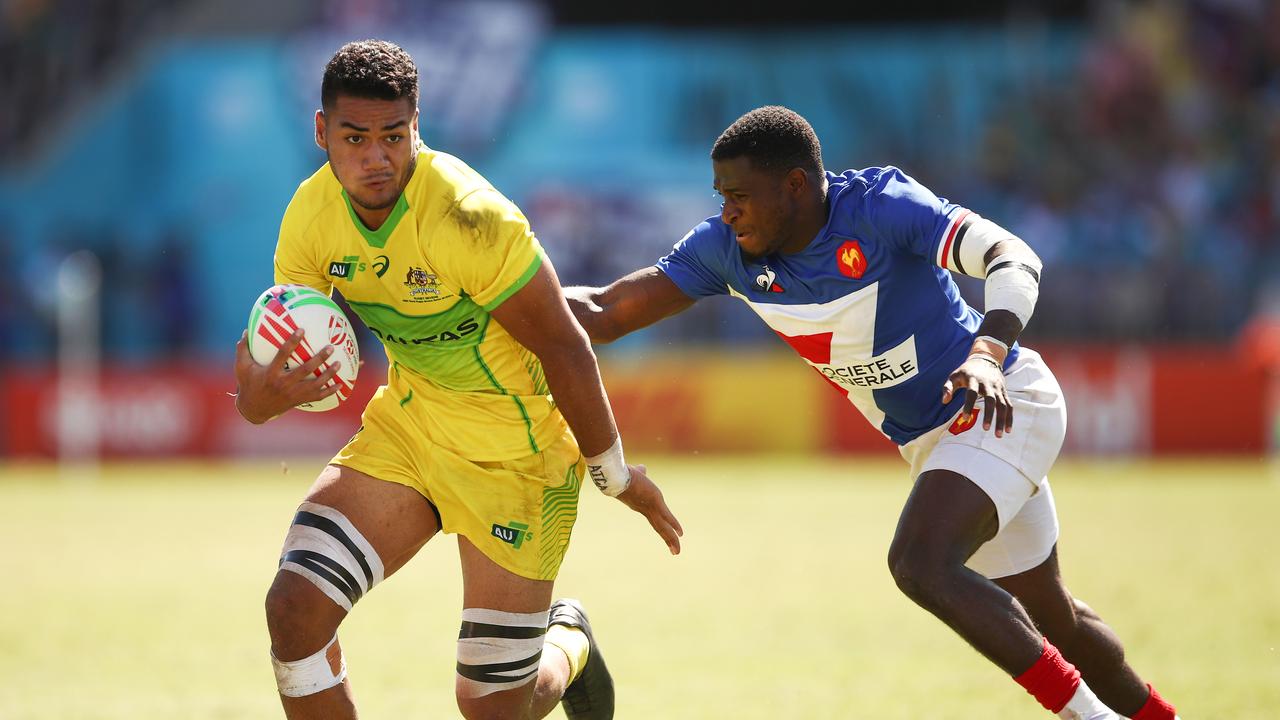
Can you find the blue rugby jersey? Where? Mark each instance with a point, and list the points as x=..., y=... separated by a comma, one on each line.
x=869, y=304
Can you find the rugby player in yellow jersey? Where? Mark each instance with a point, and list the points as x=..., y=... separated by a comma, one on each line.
x=465, y=437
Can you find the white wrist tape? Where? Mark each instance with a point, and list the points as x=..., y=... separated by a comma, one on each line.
x=1013, y=284
x=609, y=471
x=995, y=342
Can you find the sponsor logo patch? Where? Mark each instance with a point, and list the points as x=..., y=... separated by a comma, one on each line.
x=459, y=331
x=513, y=533
x=766, y=281
x=350, y=265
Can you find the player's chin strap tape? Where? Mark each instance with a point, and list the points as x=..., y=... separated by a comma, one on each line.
x=609, y=471
x=310, y=675
x=325, y=548
x=1013, y=284
x=498, y=650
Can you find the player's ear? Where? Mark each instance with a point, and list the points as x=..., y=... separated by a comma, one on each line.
x=413, y=124
x=797, y=180
x=320, y=139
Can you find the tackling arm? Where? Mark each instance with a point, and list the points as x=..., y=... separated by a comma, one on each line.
x=539, y=319
x=633, y=302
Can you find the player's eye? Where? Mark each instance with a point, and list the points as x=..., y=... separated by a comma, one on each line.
x=393, y=139
x=354, y=139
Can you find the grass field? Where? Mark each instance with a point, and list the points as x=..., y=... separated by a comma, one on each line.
x=139, y=595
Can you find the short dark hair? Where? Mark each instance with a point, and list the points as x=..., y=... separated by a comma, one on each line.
x=774, y=138
x=371, y=69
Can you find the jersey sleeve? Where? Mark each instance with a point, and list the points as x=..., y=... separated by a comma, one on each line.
x=295, y=260
x=696, y=264
x=908, y=216
x=501, y=252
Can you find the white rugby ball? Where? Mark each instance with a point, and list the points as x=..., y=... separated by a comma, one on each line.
x=282, y=309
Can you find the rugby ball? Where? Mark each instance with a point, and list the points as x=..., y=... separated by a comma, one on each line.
x=281, y=310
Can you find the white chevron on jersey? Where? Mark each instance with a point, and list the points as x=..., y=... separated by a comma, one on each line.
x=837, y=338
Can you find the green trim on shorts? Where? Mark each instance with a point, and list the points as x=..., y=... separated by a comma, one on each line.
x=528, y=424
x=559, y=511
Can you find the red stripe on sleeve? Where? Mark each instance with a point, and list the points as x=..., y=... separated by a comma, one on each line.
x=951, y=235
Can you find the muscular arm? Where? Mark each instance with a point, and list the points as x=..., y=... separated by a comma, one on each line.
x=633, y=302
x=538, y=318
x=981, y=374
x=1002, y=324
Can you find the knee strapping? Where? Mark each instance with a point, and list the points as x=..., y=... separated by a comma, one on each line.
x=325, y=548
x=312, y=674
x=498, y=650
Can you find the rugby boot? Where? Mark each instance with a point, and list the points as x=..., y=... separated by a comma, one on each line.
x=590, y=697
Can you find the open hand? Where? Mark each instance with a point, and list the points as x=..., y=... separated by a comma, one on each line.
x=643, y=496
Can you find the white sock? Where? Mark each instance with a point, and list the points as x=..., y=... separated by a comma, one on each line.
x=1084, y=705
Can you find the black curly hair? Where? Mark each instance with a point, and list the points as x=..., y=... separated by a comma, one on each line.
x=371, y=69
x=774, y=138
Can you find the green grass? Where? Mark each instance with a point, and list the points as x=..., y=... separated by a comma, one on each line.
x=139, y=595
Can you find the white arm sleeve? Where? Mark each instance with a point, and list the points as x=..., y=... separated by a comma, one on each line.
x=1013, y=284
x=965, y=245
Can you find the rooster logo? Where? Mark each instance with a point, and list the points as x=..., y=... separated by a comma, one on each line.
x=765, y=281
x=851, y=260
x=964, y=422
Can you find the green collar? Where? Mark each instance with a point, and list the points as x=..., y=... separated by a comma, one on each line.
x=378, y=238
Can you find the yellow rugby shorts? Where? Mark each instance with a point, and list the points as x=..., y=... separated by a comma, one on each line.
x=519, y=513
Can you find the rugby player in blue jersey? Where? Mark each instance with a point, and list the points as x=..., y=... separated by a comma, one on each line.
x=854, y=272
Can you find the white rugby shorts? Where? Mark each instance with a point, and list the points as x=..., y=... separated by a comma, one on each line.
x=1012, y=470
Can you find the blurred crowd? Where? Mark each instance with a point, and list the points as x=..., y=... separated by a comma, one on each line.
x=1149, y=183
x=1151, y=186
x=52, y=52
x=149, y=306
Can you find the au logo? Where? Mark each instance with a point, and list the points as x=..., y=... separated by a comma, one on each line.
x=851, y=260
x=347, y=267
x=513, y=533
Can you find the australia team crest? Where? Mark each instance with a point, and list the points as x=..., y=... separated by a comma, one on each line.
x=423, y=286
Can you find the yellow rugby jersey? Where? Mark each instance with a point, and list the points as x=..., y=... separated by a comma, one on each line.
x=451, y=251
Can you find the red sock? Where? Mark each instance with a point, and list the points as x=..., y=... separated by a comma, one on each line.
x=1156, y=708
x=1052, y=680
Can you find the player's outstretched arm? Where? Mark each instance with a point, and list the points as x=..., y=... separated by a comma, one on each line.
x=265, y=391
x=538, y=317
x=636, y=301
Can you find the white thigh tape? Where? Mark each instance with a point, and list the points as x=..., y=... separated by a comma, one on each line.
x=325, y=548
